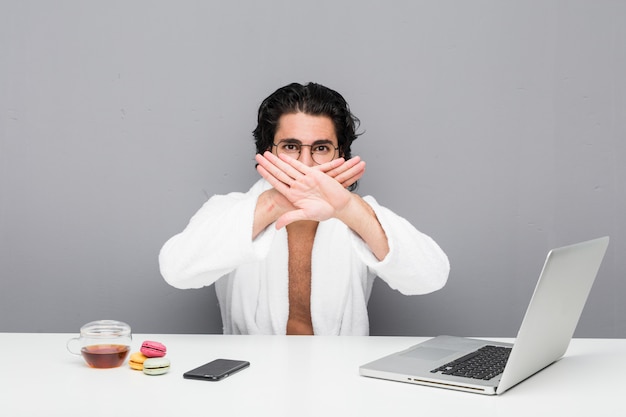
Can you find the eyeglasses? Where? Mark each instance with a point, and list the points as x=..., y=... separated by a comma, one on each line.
x=322, y=151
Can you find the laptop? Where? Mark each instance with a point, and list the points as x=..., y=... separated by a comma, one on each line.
x=458, y=363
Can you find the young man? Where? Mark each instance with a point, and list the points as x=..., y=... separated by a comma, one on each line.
x=298, y=253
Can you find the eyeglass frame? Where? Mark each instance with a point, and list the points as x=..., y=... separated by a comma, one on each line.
x=296, y=142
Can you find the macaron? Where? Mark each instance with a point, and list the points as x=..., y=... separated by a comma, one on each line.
x=156, y=366
x=153, y=349
x=136, y=361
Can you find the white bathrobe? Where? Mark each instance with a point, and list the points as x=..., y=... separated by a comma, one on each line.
x=251, y=276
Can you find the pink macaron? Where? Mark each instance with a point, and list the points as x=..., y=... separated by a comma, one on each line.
x=153, y=349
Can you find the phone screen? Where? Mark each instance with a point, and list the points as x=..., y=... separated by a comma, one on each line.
x=216, y=370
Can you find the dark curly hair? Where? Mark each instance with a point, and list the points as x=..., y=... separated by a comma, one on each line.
x=312, y=99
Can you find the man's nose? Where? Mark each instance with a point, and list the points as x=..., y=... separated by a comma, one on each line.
x=305, y=156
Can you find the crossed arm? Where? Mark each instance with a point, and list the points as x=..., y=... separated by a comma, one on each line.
x=316, y=193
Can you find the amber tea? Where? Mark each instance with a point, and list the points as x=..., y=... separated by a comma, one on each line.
x=102, y=343
x=105, y=356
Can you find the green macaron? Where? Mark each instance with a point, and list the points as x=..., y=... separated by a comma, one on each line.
x=156, y=366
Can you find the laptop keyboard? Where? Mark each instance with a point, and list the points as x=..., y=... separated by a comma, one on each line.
x=484, y=363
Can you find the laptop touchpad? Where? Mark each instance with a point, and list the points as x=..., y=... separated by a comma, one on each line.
x=428, y=353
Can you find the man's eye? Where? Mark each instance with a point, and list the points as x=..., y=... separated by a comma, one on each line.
x=290, y=147
x=321, y=149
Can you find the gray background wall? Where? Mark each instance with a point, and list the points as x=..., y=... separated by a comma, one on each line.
x=497, y=127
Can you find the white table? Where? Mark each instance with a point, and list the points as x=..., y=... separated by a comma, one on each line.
x=290, y=375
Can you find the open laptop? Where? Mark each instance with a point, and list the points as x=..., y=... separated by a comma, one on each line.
x=543, y=338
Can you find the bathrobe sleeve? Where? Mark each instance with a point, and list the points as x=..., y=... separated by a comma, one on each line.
x=415, y=263
x=217, y=240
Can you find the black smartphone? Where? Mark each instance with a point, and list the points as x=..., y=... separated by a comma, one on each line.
x=216, y=370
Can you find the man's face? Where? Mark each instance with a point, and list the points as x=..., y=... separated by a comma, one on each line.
x=310, y=139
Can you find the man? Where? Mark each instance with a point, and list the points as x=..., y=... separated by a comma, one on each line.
x=298, y=253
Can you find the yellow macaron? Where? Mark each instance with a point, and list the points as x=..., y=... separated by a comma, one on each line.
x=136, y=361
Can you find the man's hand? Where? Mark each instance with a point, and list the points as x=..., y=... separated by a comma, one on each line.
x=316, y=193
